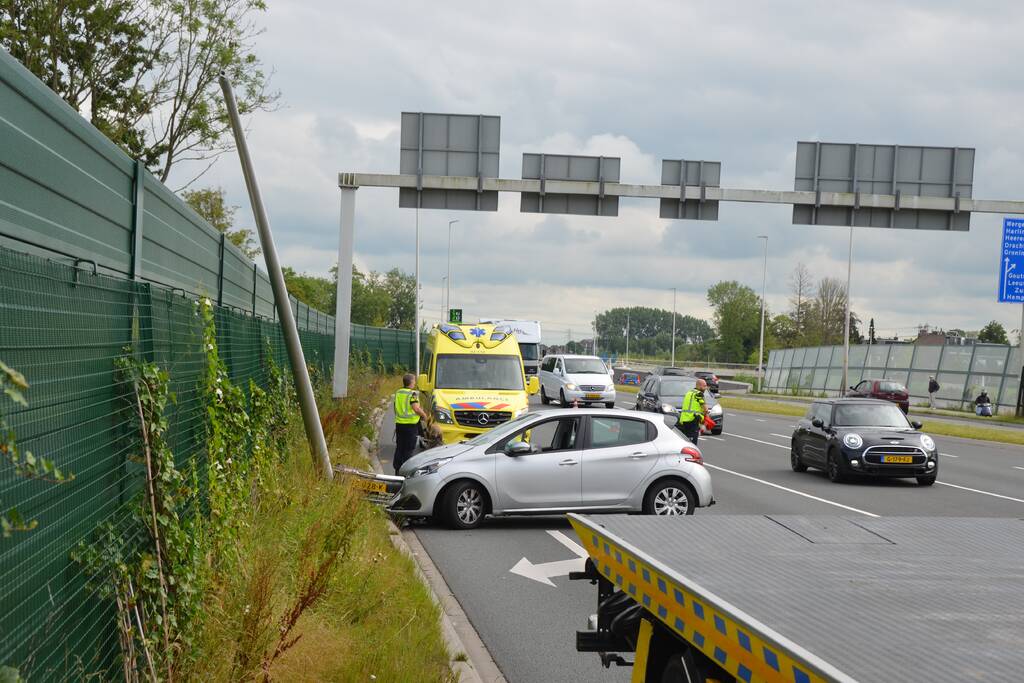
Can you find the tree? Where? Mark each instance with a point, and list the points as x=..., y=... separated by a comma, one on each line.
x=801, y=285
x=993, y=333
x=145, y=69
x=827, y=321
x=650, y=331
x=91, y=53
x=312, y=290
x=377, y=300
x=209, y=203
x=737, y=320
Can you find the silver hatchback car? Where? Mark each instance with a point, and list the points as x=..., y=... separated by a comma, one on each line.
x=550, y=462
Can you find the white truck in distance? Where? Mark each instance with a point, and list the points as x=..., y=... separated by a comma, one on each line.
x=528, y=335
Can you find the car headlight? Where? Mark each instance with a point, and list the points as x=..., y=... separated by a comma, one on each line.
x=609, y=389
x=521, y=411
x=853, y=441
x=430, y=467
x=666, y=408
x=570, y=386
x=927, y=442
x=444, y=416
x=715, y=409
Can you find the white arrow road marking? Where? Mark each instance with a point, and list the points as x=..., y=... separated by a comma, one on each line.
x=568, y=542
x=543, y=572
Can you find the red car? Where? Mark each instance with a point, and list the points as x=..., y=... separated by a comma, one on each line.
x=885, y=389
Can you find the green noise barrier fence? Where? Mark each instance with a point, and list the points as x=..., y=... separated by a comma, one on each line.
x=97, y=255
x=63, y=329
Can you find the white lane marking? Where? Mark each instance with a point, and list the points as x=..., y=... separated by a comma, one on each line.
x=766, y=443
x=568, y=542
x=731, y=414
x=794, y=491
x=949, y=455
x=781, y=436
x=714, y=438
x=757, y=419
x=984, y=493
x=1018, y=468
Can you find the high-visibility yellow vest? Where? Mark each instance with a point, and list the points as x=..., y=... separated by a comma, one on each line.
x=404, y=414
x=693, y=406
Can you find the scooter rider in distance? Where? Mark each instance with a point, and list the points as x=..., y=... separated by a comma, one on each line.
x=693, y=412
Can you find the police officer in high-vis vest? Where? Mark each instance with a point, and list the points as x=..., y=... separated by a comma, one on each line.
x=691, y=416
x=407, y=420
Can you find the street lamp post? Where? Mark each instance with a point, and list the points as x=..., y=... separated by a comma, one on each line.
x=444, y=306
x=627, y=336
x=764, y=283
x=448, y=297
x=846, y=332
x=673, y=327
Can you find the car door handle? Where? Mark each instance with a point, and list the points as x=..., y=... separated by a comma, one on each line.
x=637, y=454
x=567, y=463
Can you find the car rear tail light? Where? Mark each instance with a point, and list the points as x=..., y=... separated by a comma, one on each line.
x=691, y=454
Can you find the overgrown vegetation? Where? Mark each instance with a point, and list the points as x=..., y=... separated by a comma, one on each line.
x=248, y=566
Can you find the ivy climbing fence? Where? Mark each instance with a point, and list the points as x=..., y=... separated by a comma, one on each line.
x=95, y=256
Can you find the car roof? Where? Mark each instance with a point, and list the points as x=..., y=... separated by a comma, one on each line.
x=572, y=355
x=844, y=401
x=598, y=412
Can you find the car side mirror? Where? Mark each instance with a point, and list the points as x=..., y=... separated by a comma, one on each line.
x=818, y=423
x=516, y=448
x=423, y=383
x=915, y=424
x=532, y=385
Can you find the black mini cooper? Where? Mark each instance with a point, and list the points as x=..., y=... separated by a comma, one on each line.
x=847, y=436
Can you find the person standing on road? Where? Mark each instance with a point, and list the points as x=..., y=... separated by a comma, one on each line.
x=407, y=420
x=693, y=412
x=933, y=387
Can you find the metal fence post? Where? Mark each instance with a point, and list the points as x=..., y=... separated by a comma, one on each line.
x=220, y=270
x=255, y=281
x=137, y=218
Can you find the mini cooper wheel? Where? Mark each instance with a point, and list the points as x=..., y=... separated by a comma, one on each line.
x=835, y=468
x=795, y=459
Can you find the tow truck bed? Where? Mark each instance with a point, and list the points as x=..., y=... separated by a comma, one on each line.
x=824, y=598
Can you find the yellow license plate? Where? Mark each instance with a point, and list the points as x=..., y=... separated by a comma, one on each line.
x=370, y=486
x=898, y=459
x=596, y=396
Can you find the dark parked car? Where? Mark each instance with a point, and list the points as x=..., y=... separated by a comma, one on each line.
x=885, y=389
x=664, y=394
x=669, y=370
x=845, y=436
x=709, y=377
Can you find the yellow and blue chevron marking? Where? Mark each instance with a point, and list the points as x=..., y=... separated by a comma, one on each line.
x=733, y=646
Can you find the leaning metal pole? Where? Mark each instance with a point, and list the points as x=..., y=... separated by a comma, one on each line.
x=303, y=387
x=846, y=333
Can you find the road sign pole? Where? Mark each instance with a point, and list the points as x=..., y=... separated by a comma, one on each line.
x=846, y=334
x=343, y=290
x=673, y=364
x=764, y=285
x=416, y=350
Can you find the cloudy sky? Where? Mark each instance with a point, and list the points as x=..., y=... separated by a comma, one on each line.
x=738, y=82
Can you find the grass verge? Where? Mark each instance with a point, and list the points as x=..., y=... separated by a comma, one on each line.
x=627, y=388
x=963, y=431
x=372, y=620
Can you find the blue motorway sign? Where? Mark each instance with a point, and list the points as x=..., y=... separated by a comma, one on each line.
x=1011, y=262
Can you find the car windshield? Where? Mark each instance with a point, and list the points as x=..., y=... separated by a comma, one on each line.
x=870, y=415
x=530, y=351
x=500, y=432
x=585, y=366
x=479, y=371
x=676, y=387
x=892, y=387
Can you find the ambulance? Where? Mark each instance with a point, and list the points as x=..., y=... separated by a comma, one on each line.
x=473, y=380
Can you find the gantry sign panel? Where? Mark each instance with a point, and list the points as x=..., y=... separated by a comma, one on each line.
x=546, y=167
x=449, y=145
x=888, y=170
x=695, y=173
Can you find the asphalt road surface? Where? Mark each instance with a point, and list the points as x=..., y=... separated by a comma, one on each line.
x=529, y=626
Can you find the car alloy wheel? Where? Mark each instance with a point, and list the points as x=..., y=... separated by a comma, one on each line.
x=469, y=506
x=835, y=470
x=671, y=501
x=795, y=461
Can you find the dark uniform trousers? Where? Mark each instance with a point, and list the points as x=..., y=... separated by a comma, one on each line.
x=405, y=443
